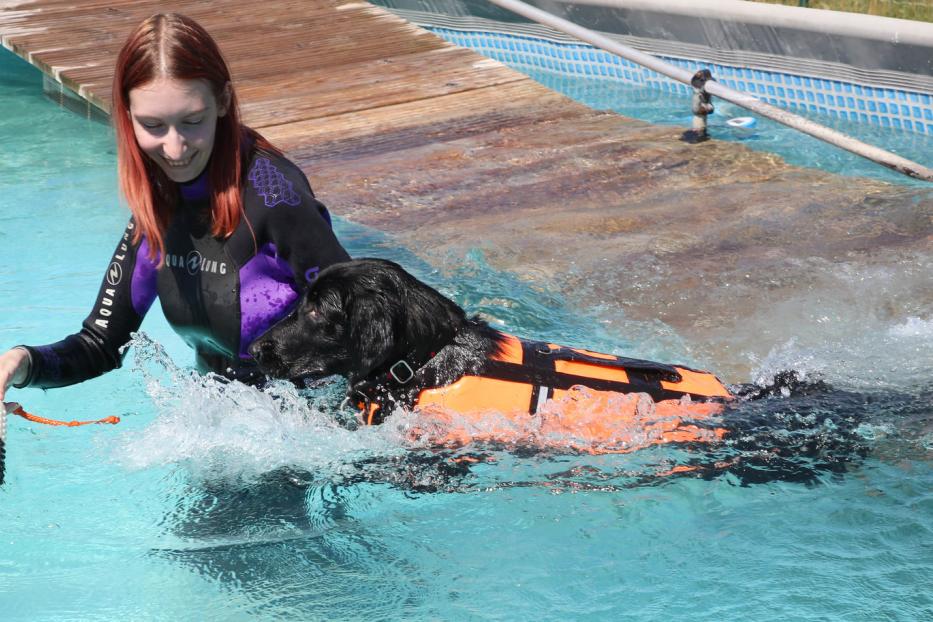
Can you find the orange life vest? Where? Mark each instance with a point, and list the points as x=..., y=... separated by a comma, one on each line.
x=533, y=378
x=513, y=389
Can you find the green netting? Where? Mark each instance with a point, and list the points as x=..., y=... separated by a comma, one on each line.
x=920, y=10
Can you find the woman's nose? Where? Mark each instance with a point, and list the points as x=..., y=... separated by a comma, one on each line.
x=174, y=145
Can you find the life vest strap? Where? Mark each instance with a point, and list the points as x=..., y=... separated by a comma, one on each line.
x=538, y=368
x=562, y=353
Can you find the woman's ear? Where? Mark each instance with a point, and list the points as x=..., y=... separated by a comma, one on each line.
x=223, y=102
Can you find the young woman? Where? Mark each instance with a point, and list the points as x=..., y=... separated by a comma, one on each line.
x=224, y=229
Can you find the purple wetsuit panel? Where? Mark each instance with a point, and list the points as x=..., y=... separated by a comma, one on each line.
x=267, y=292
x=143, y=289
x=272, y=185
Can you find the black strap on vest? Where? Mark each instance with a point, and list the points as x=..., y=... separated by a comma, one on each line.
x=561, y=353
x=538, y=369
x=395, y=384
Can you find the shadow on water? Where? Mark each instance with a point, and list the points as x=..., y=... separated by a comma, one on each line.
x=289, y=544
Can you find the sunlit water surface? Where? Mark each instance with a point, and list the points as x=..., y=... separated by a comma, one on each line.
x=214, y=501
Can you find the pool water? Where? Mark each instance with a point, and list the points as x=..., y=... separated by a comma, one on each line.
x=215, y=501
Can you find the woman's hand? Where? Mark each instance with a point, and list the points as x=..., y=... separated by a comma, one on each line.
x=14, y=367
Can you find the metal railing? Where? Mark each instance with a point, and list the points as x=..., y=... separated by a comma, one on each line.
x=749, y=102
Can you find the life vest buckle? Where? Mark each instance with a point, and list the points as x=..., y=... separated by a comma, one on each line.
x=403, y=368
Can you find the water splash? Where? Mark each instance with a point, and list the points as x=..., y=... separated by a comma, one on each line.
x=880, y=357
x=217, y=429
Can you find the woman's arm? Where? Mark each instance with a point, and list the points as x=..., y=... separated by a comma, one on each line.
x=127, y=292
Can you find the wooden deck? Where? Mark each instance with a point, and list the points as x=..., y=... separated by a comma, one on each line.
x=292, y=60
x=447, y=151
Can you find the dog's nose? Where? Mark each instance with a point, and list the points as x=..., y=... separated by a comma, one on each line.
x=261, y=348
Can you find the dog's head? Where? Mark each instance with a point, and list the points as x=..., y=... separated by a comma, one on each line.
x=355, y=318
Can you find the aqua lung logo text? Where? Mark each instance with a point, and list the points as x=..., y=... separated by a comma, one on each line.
x=112, y=279
x=115, y=274
x=194, y=262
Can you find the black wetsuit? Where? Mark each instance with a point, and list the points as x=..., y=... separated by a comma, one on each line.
x=219, y=295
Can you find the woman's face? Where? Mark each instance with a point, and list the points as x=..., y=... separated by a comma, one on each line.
x=175, y=122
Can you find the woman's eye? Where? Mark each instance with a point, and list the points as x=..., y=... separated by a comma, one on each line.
x=152, y=126
x=195, y=122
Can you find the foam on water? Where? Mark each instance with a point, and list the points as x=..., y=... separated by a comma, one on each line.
x=913, y=328
x=867, y=328
x=217, y=429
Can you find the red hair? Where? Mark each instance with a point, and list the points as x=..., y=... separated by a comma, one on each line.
x=174, y=46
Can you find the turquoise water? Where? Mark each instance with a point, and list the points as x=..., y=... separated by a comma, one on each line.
x=218, y=502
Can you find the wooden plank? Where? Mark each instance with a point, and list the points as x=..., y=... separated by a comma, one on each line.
x=296, y=62
x=77, y=72
x=247, y=23
x=292, y=60
x=500, y=105
x=239, y=40
x=371, y=84
x=323, y=36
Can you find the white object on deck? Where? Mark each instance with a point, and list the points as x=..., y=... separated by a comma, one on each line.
x=743, y=122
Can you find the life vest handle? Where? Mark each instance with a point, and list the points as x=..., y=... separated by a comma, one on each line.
x=563, y=353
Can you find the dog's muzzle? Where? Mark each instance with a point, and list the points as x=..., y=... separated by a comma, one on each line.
x=265, y=353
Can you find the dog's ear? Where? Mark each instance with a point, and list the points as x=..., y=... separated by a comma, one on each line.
x=431, y=319
x=372, y=334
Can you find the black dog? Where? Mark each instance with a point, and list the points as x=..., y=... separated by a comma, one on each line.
x=362, y=316
x=393, y=337
x=396, y=339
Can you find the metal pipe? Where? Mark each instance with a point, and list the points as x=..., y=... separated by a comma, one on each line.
x=875, y=154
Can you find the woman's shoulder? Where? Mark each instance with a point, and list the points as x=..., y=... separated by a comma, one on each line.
x=272, y=180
